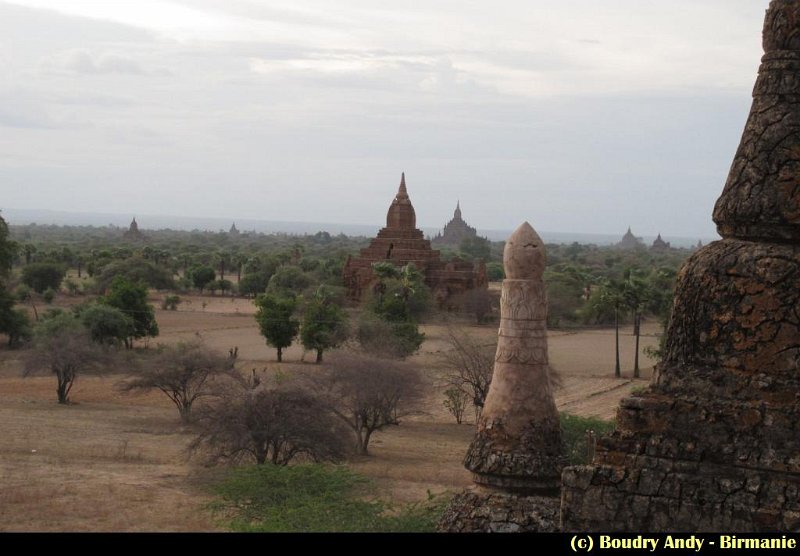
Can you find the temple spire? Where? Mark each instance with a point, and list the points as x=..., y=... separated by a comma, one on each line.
x=457, y=213
x=402, y=192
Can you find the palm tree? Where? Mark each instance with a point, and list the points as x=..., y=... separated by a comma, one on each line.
x=636, y=295
x=611, y=295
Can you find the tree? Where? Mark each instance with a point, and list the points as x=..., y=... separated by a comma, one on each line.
x=276, y=321
x=495, y=272
x=184, y=373
x=368, y=394
x=274, y=425
x=63, y=347
x=324, y=324
x=201, y=276
x=135, y=269
x=107, y=324
x=470, y=366
x=399, y=298
x=382, y=338
x=8, y=249
x=610, y=297
x=475, y=248
x=131, y=299
x=455, y=401
x=13, y=322
x=636, y=294
x=40, y=276
x=288, y=279
x=254, y=283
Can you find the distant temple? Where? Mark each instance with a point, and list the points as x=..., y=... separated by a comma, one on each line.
x=660, y=245
x=629, y=241
x=133, y=233
x=455, y=231
x=400, y=243
x=234, y=231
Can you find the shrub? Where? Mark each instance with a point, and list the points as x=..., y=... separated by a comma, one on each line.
x=315, y=498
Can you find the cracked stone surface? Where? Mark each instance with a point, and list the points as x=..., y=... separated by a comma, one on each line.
x=714, y=443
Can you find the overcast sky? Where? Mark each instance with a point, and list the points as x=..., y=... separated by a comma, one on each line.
x=577, y=115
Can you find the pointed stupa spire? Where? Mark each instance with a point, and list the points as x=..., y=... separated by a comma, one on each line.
x=401, y=213
x=457, y=213
x=402, y=192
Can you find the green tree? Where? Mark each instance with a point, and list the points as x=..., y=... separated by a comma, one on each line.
x=135, y=269
x=288, y=279
x=8, y=249
x=131, y=299
x=275, y=317
x=636, y=293
x=107, y=324
x=611, y=296
x=40, y=276
x=202, y=276
x=13, y=322
x=475, y=248
x=324, y=324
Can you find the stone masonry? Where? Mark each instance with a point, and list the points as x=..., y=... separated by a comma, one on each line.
x=714, y=443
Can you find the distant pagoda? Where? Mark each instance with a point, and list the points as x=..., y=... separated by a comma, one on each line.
x=133, y=233
x=455, y=231
x=629, y=241
x=234, y=231
x=401, y=243
x=660, y=245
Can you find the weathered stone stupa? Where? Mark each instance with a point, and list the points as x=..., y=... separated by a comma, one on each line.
x=714, y=444
x=515, y=456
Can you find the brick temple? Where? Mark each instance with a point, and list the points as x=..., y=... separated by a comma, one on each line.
x=455, y=231
x=400, y=243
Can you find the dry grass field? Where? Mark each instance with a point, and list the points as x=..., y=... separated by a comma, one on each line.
x=117, y=462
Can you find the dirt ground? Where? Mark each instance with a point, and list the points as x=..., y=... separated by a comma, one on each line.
x=117, y=462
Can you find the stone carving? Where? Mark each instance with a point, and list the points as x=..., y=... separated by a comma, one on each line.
x=714, y=444
x=516, y=455
x=400, y=243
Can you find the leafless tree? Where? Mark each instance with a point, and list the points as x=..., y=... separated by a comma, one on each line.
x=63, y=347
x=368, y=394
x=184, y=373
x=274, y=425
x=470, y=365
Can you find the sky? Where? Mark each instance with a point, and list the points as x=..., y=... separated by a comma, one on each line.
x=575, y=115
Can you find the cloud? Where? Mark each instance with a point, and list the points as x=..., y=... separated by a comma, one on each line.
x=23, y=109
x=81, y=61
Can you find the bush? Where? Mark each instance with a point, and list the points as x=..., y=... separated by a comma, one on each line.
x=574, y=431
x=171, y=302
x=49, y=295
x=314, y=498
x=41, y=276
x=387, y=339
x=495, y=272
